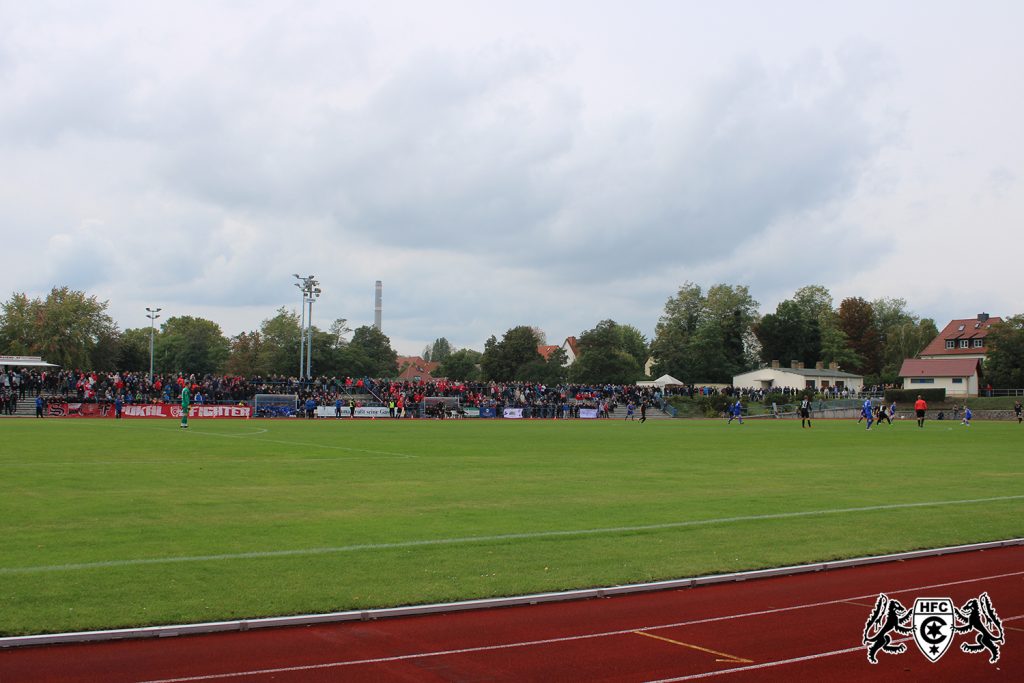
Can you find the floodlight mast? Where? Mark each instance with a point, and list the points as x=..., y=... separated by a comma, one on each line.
x=302, y=325
x=152, y=314
x=311, y=291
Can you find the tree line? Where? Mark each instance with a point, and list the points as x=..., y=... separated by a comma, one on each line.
x=701, y=337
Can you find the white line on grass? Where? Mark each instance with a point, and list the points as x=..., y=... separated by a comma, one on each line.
x=483, y=539
x=301, y=443
x=251, y=437
x=589, y=636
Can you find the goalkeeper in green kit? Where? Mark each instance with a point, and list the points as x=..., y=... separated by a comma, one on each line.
x=186, y=399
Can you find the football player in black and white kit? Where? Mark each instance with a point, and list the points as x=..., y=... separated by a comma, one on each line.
x=805, y=412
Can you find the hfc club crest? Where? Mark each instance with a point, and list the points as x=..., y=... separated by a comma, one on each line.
x=932, y=623
x=933, y=626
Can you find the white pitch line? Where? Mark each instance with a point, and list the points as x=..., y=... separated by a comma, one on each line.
x=250, y=437
x=585, y=636
x=198, y=460
x=483, y=539
x=301, y=443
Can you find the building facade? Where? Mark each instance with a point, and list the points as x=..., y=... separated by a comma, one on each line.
x=799, y=378
x=958, y=376
x=963, y=338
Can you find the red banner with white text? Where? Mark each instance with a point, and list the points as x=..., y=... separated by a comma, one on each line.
x=148, y=410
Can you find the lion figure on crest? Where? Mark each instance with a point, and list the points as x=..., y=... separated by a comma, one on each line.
x=887, y=616
x=979, y=615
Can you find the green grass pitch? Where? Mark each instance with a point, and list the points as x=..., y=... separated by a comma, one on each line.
x=113, y=524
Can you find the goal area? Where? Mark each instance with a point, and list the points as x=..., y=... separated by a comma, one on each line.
x=275, y=405
x=441, y=406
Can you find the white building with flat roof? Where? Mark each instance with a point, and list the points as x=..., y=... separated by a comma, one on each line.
x=799, y=378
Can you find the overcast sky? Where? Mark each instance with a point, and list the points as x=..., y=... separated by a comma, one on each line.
x=506, y=163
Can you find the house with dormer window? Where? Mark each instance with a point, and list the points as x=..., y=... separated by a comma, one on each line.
x=953, y=360
x=964, y=339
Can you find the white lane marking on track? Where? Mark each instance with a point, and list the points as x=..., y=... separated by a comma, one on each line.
x=481, y=539
x=781, y=662
x=566, y=639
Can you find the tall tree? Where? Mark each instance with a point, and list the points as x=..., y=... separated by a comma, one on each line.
x=191, y=345
x=440, y=350
x=726, y=331
x=902, y=335
x=377, y=348
x=550, y=370
x=672, y=336
x=815, y=302
x=279, y=344
x=134, y=350
x=73, y=329
x=706, y=338
x=244, y=358
x=609, y=353
x=835, y=348
x=19, y=318
x=1004, y=365
x=857, y=321
x=461, y=365
x=502, y=360
x=339, y=331
x=791, y=333
x=905, y=340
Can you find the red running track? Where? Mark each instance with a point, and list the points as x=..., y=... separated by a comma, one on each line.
x=794, y=628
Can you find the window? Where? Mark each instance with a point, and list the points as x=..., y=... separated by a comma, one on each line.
x=960, y=329
x=950, y=344
x=958, y=380
x=965, y=343
x=922, y=380
x=809, y=384
x=978, y=343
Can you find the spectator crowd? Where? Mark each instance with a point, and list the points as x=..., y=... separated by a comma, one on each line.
x=402, y=397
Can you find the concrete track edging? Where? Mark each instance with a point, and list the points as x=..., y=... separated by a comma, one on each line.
x=486, y=603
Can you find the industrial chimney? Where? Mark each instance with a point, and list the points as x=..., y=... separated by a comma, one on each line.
x=377, y=306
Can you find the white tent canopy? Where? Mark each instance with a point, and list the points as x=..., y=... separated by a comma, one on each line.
x=25, y=362
x=663, y=381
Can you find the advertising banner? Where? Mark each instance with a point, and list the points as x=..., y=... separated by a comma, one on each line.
x=488, y=412
x=148, y=410
x=361, y=411
x=513, y=413
x=76, y=410
x=588, y=413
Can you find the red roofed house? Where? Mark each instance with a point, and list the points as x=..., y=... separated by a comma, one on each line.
x=958, y=376
x=414, y=368
x=546, y=351
x=961, y=339
x=572, y=350
x=569, y=346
